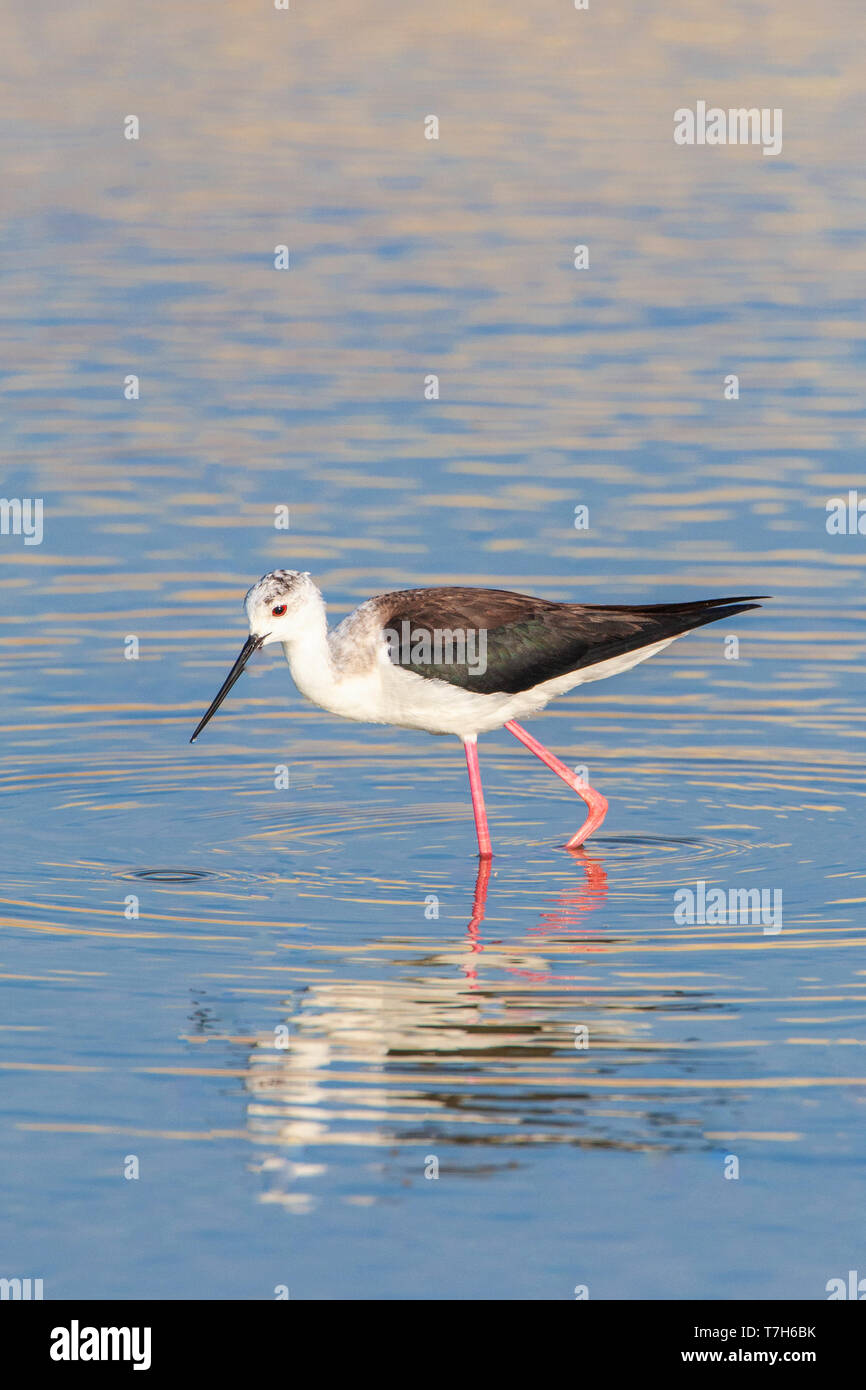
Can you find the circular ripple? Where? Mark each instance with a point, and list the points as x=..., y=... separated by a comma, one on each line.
x=645, y=847
x=168, y=875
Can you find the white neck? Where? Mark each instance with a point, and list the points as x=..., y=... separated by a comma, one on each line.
x=335, y=671
x=309, y=655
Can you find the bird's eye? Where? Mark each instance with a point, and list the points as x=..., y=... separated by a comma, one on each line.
x=279, y=610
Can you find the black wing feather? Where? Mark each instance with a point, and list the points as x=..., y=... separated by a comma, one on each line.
x=530, y=640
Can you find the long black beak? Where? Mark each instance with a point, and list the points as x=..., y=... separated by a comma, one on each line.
x=251, y=645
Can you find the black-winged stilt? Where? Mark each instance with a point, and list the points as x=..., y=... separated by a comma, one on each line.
x=460, y=661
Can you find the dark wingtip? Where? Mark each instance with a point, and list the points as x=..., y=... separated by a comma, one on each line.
x=739, y=598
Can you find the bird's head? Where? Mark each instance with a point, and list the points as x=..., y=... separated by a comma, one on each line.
x=277, y=606
x=277, y=609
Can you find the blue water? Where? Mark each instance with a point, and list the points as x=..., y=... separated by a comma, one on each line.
x=342, y=914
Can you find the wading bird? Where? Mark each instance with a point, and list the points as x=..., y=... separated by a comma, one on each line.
x=460, y=661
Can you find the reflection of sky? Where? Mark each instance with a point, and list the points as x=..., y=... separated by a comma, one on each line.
x=558, y=387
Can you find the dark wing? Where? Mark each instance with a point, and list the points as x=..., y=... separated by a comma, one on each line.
x=526, y=640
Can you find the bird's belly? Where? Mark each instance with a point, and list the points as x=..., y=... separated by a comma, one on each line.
x=411, y=701
x=417, y=702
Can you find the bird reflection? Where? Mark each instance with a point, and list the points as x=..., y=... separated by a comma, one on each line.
x=470, y=1039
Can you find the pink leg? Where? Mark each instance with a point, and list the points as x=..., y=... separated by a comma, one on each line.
x=485, y=850
x=596, y=803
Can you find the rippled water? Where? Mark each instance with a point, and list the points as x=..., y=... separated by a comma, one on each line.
x=319, y=1001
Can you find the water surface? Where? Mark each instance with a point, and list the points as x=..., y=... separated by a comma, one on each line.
x=433, y=1020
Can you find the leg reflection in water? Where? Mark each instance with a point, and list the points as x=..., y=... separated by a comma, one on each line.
x=573, y=904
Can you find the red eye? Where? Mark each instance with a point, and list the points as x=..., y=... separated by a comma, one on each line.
x=279, y=610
